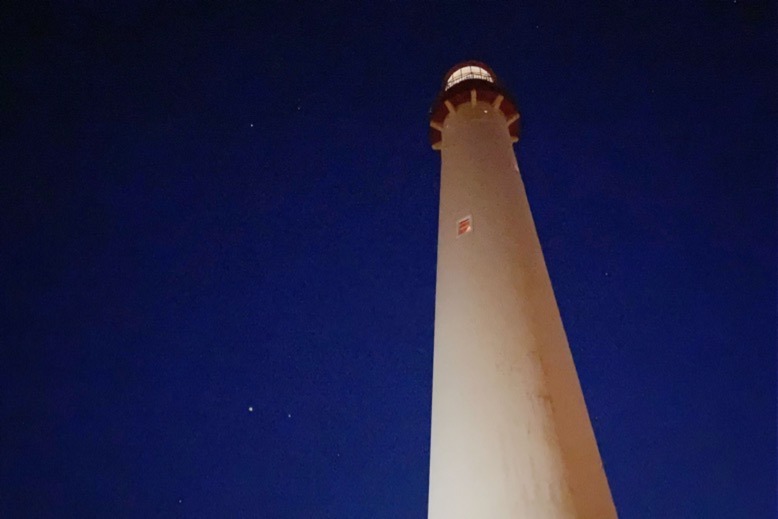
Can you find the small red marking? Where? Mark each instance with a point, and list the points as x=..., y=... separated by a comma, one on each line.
x=464, y=225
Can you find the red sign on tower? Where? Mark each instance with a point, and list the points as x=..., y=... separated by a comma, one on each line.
x=464, y=225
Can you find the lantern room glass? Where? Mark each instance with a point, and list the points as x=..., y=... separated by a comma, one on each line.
x=468, y=72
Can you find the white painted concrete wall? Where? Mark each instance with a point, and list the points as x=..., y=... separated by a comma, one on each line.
x=511, y=437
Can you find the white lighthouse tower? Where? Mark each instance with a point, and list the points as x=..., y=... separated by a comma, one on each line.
x=511, y=437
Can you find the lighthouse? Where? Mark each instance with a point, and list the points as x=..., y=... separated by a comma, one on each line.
x=511, y=437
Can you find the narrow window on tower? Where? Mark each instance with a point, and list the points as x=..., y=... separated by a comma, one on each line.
x=464, y=225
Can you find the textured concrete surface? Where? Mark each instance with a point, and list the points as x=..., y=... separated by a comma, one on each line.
x=511, y=437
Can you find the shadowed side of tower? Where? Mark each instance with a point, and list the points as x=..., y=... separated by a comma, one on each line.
x=510, y=436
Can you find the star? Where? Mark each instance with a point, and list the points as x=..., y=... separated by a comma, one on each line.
x=289, y=415
x=252, y=125
x=251, y=409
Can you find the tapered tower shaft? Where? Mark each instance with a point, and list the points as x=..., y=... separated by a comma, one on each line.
x=511, y=437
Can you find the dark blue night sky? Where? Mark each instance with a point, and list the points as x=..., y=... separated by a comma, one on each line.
x=206, y=209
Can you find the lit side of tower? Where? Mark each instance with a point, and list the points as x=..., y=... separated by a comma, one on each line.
x=511, y=437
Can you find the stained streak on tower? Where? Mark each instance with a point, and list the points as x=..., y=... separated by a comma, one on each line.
x=511, y=437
